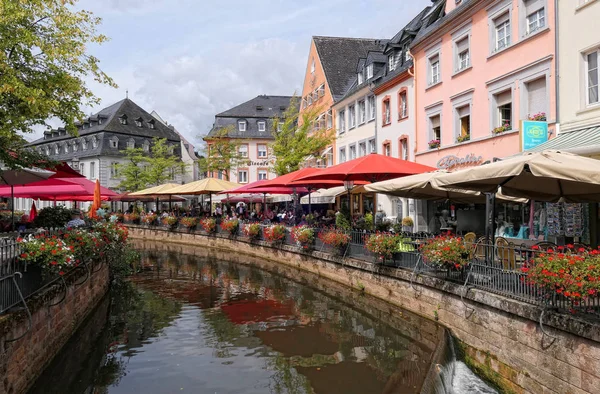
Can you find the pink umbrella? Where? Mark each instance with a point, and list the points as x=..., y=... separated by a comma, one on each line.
x=59, y=189
x=32, y=212
x=256, y=187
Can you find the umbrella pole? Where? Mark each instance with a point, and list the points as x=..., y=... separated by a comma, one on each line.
x=265, y=205
x=12, y=206
x=170, y=203
x=490, y=225
x=309, y=205
x=156, y=209
x=209, y=204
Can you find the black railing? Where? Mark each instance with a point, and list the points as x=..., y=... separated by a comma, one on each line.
x=493, y=268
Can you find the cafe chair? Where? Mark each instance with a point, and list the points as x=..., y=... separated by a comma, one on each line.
x=506, y=254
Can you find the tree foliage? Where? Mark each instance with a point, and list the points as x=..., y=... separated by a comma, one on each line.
x=295, y=141
x=142, y=170
x=221, y=153
x=43, y=67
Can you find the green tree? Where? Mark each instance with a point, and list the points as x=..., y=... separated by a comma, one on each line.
x=143, y=170
x=221, y=153
x=43, y=64
x=295, y=141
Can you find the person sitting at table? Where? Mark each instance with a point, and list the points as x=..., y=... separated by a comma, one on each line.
x=76, y=220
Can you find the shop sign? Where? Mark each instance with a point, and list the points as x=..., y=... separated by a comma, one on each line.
x=265, y=163
x=451, y=161
x=533, y=134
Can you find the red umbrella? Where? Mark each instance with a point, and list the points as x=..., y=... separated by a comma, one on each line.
x=97, y=201
x=370, y=168
x=32, y=212
x=259, y=187
x=65, y=188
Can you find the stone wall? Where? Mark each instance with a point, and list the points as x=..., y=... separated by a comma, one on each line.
x=23, y=360
x=501, y=336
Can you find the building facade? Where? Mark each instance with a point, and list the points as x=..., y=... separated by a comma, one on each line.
x=103, y=139
x=251, y=124
x=481, y=69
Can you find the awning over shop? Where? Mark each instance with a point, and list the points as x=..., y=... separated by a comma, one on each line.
x=582, y=142
x=327, y=196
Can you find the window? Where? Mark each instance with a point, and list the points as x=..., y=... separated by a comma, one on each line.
x=362, y=149
x=243, y=150
x=312, y=67
x=392, y=61
x=130, y=144
x=435, y=128
x=47, y=151
x=352, y=152
x=100, y=121
x=262, y=150
x=114, y=143
x=387, y=148
x=503, y=102
x=342, y=155
x=242, y=125
x=329, y=119
x=66, y=148
x=536, y=97
x=242, y=176
x=342, y=119
x=123, y=119
x=434, y=69
x=361, y=78
x=146, y=146
x=262, y=126
x=92, y=170
x=138, y=122
x=321, y=90
x=407, y=56
x=75, y=146
x=280, y=126
x=263, y=175
x=371, y=102
x=114, y=169
x=387, y=116
x=56, y=149
x=372, y=147
x=82, y=168
x=369, y=71
x=151, y=124
x=403, y=148
x=463, y=60
x=536, y=20
x=502, y=32
x=463, y=116
x=592, y=73
x=84, y=144
x=94, y=142
x=403, y=102
x=352, y=115
x=362, y=112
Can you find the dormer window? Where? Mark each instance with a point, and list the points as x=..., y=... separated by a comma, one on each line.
x=361, y=78
x=151, y=124
x=47, y=151
x=99, y=121
x=321, y=89
x=66, y=148
x=259, y=107
x=123, y=119
x=84, y=144
x=94, y=142
x=56, y=150
x=262, y=125
x=242, y=125
x=407, y=56
x=130, y=143
x=369, y=71
x=391, y=62
x=138, y=122
x=146, y=146
x=75, y=146
x=114, y=143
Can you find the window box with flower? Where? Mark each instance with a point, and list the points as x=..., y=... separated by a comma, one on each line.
x=336, y=239
x=253, y=231
x=539, y=117
x=463, y=138
x=189, y=223
x=304, y=236
x=275, y=234
x=171, y=222
x=501, y=129
x=434, y=144
x=231, y=226
x=150, y=219
x=382, y=244
x=209, y=225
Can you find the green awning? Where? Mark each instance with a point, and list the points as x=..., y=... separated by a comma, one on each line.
x=582, y=142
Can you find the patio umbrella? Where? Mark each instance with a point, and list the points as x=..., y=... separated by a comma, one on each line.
x=155, y=190
x=21, y=176
x=262, y=187
x=58, y=189
x=426, y=187
x=97, y=200
x=548, y=176
x=32, y=212
x=208, y=186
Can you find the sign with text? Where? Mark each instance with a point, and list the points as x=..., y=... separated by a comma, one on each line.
x=451, y=161
x=533, y=134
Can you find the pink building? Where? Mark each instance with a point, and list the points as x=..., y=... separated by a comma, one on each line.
x=479, y=70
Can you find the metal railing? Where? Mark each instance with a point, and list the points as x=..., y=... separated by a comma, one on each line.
x=493, y=268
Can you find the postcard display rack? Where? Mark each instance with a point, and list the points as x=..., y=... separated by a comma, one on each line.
x=570, y=221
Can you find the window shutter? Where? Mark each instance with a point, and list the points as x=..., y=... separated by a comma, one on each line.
x=503, y=98
x=536, y=96
x=462, y=45
x=501, y=19
x=435, y=121
x=533, y=5
x=463, y=111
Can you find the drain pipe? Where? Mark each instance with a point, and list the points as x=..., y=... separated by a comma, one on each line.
x=556, y=69
x=413, y=74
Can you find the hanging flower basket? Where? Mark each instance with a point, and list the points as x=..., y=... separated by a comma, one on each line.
x=253, y=231
x=304, y=236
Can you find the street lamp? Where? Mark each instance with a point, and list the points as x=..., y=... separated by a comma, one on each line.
x=349, y=185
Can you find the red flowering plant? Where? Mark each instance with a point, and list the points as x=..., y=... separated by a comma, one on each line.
x=566, y=272
x=209, y=225
x=52, y=254
x=133, y=217
x=446, y=252
x=189, y=222
x=170, y=221
x=85, y=244
x=275, y=233
x=253, y=231
x=304, y=236
x=150, y=219
x=335, y=238
x=231, y=226
x=382, y=244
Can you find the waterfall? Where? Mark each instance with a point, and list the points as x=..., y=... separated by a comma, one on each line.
x=449, y=375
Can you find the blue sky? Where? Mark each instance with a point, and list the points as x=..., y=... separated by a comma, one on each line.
x=190, y=59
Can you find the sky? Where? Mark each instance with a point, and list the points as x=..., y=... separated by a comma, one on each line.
x=191, y=59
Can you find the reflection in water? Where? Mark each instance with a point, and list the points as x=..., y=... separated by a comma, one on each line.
x=194, y=324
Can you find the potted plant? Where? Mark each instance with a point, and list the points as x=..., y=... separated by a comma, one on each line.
x=51, y=254
x=171, y=222
x=189, y=222
x=335, y=238
x=382, y=244
x=253, y=231
x=231, y=226
x=150, y=219
x=407, y=224
x=209, y=225
x=434, y=144
x=275, y=234
x=133, y=217
x=304, y=236
x=501, y=129
x=539, y=117
x=446, y=252
x=463, y=138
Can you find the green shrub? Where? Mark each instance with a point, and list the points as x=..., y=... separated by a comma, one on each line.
x=52, y=217
x=342, y=222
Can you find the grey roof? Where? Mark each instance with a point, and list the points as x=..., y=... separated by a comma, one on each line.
x=437, y=18
x=411, y=29
x=111, y=123
x=339, y=57
x=272, y=107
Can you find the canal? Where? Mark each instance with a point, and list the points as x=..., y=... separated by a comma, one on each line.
x=208, y=324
